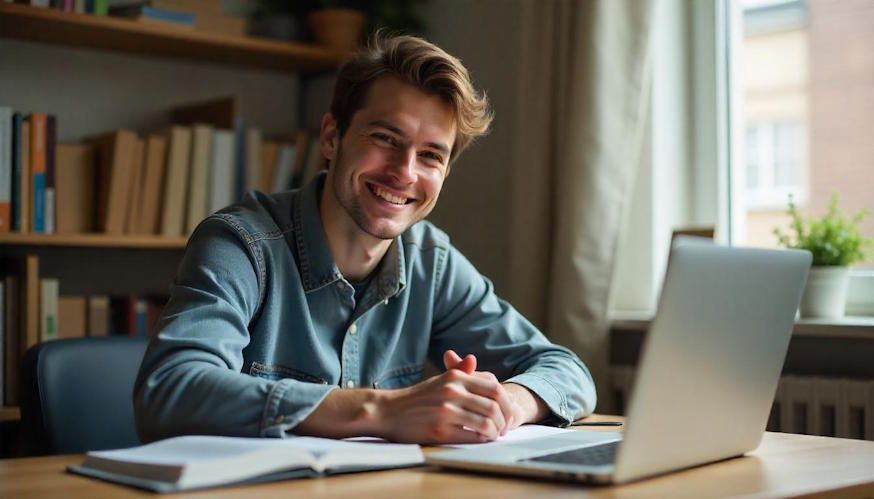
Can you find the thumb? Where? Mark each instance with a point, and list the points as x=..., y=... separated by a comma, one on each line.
x=451, y=359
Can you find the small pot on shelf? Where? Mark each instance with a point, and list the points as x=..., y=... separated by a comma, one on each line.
x=337, y=28
x=825, y=295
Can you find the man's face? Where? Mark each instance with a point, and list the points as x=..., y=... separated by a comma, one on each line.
x=387, y=170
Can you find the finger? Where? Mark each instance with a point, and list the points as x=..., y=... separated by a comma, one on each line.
x=484, y=407
x=450, y=359
x=490, y=387
x=476, y=423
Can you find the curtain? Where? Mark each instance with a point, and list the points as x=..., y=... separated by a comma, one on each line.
x=583, y=106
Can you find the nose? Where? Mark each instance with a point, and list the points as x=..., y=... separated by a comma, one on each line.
x=404, y=166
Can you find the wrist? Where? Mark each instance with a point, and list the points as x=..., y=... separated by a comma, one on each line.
x=532, y=408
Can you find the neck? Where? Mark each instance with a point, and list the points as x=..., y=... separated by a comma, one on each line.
x=355, y=252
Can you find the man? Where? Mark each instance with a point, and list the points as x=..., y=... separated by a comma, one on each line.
x=313, y=312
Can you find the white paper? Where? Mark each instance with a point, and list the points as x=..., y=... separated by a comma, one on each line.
x=524, y=432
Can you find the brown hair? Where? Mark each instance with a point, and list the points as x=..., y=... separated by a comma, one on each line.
x=419, y=63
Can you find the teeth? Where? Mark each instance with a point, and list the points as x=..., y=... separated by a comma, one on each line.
x=391, y=198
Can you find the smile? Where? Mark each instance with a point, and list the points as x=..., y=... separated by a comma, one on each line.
x=388, y=196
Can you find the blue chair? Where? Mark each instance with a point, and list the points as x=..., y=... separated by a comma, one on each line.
x=77, y=394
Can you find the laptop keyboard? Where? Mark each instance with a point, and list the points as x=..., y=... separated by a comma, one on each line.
x=597, y=455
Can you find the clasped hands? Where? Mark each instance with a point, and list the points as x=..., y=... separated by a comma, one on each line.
x=462, y=405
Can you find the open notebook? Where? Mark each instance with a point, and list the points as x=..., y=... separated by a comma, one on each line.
x=191, y=462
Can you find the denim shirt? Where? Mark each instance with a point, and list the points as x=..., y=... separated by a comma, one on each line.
x=261, y=326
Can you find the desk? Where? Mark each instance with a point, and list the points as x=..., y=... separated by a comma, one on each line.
x=783, y=465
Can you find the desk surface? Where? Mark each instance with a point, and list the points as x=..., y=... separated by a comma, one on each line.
x=783, y=465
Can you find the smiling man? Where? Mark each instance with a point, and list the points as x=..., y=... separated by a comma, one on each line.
x=314, y=311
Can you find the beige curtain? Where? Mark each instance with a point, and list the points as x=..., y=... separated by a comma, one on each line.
x=583, y=106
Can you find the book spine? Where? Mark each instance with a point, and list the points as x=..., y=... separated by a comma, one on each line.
x=24, y=186
x=49, y=309
x=79, y=6
x=140, y=312
x=30, y=303
x=98, y=316
x=50, y=197
x=12, y=324
x=38, y=169
x=15, y=208
x=5, y=169
x=101, y=7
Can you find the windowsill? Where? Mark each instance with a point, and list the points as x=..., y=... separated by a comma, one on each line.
x=861, y=327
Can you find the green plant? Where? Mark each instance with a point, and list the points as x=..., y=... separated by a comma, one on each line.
x=834, y=240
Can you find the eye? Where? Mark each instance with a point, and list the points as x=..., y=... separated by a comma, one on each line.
x=385, y=138
x=431, y=155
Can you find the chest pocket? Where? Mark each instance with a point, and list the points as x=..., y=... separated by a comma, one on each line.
x=276, y=372
x=400, y=377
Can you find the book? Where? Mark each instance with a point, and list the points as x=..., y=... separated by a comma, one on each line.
x=115, y=158
x=11, y=343
x=72, y=316
x=98, y=316
x=198, y=183
x=49, y=209
x=269, y=164
x=48, y=310
x=222, y=173
x=191, y=462
x=315, y=162
x=149, y=14
x=75, y=172
x=5, y=169
x=154, y=166
x=24, y=208
x=38, y=170
x=15, y=208
x=29, y=292
x=135, y=197
x=176, y=181
x=284, y=166
x=253, y=159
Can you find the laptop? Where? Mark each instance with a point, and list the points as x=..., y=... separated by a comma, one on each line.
x=706, y=381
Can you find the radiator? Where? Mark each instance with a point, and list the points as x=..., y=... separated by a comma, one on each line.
x=831, y=407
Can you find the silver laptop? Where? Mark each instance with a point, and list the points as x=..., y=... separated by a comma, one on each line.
x=707, y=376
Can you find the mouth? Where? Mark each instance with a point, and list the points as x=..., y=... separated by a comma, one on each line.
x=388, y=196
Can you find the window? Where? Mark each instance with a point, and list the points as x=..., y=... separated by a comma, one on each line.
x=799, y=81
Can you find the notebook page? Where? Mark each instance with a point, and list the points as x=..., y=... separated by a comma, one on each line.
x=524, y=432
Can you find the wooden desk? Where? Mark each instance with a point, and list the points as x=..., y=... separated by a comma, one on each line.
x=784, y=465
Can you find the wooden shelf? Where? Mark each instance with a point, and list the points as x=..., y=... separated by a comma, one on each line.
x=93, y=241
x=23, y=22
x=9, y=414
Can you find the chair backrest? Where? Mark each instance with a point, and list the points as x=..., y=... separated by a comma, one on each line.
x=77, y=394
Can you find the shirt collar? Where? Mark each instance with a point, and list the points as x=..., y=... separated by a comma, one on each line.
x=317, y=266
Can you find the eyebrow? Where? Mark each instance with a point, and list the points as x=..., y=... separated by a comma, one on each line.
x=384, y=124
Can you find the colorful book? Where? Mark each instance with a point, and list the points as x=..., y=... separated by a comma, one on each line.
x=25, y=179
x=176, y=182
x=6, y=126
x=48, y=310
x=38, y=170
x=50, y=214
x=15, y=208
x=147, y=13
x=75, y=173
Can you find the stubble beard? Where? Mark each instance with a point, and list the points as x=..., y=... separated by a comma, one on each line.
x=353, y=208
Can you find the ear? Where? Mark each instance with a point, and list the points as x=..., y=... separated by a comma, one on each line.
x=329, y=138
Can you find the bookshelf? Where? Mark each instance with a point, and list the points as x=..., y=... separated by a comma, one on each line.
x=93, y=241
x=24, y=22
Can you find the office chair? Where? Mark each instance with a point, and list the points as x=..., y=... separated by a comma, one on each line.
x=77, y=394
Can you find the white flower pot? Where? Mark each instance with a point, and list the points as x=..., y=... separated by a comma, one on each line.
x=826, y=292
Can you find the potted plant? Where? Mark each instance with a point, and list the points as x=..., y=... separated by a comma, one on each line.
x=835, y=243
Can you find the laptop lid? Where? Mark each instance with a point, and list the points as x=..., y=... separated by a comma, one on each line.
x=712, y=358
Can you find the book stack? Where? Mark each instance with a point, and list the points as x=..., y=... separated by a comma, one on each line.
x=34, y=310
x=201, y=15
x=124, y=182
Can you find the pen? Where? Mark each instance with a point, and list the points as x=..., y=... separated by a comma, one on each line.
x=596, y=423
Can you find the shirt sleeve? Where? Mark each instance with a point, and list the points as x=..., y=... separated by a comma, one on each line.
x=190, y=379
x=470, y=318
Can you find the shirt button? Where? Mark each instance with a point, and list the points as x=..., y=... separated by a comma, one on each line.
x=353, y=329
x=350, y=384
